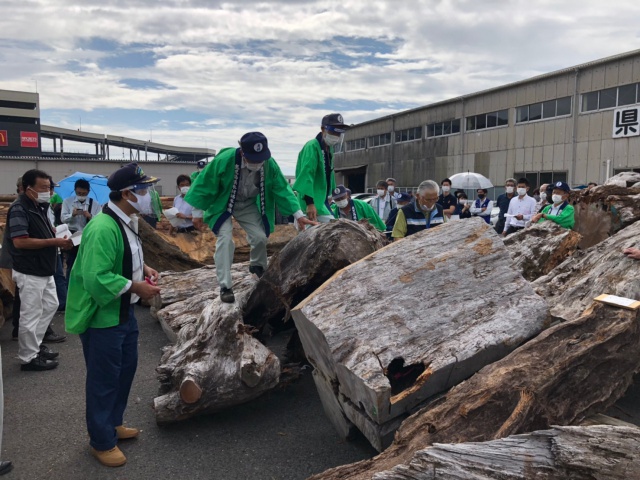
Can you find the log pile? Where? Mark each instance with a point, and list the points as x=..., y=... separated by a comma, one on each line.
x=214, y=354
x=560, y=377
x=560, y=453
x=384, y=345
x=540, y=248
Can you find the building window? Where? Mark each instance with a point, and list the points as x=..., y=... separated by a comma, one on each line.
x=544, y=110
x=488, y=120
x=18, y=105
x=539, y=178
x=409, y=134
x=611, y=97
x=357, y=144
x=450, y=127
x=379, y=140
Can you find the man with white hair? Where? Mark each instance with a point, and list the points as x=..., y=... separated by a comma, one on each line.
x=424, y=212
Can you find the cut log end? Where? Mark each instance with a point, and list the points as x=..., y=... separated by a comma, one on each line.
x=190, y=391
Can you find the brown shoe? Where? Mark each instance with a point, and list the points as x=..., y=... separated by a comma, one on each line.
x=125, y=433
x=110, y=458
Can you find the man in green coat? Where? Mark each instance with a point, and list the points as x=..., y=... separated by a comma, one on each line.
x=244, y=183
x=559, y=211
x=315, y=179
x=107, y=278
x=354, y=209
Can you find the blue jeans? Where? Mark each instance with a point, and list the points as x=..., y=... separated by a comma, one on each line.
x=111, y=357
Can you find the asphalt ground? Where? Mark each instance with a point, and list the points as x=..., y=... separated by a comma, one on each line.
x=282, y=435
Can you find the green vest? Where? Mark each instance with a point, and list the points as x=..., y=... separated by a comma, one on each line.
x=311, y=178
x=362, y=210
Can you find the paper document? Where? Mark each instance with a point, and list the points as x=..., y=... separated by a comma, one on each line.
x=171, y=213
x=619, y=301
x=76, y=238
x=63, y=231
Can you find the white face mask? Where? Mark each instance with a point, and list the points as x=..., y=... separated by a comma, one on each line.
x=342, y=203
x=509, y=189
x=426, y=208
x=252, y=167
x=184, y=190
x=391, y=188
x=143, y=205
x=332, y=139
x=522, y=192
x=445, y=189
x=43, y=197
x=81, y=198
x=543, y=196
x=381, y=192
x=556, y=198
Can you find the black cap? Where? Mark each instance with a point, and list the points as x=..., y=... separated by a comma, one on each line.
x=561, y=186
x=405, y=197
x=201, y=163
x=339, y=191
x=334, y=120
x=130, y=175
x=255, y=147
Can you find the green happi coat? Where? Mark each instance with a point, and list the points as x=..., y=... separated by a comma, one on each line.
x=566, y=219
x=361, y=210
x=311, y=177
x=96, y=278
x=212, y=190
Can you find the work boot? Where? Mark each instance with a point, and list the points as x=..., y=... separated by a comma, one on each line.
x=257, y=269
x=226, y=295
x=53, y=337
x=125, y=433
x=110, y=458
x=47, y=353
x=5, y=467
x=39, y=364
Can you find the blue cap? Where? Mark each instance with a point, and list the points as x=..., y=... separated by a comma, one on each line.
x=339, y=191
x=255, y=147
x=201, y=163
x=404, y=197
x=130, y=175
x=561, y=186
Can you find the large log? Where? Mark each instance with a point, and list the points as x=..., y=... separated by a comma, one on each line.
x=162, y=255
x=570, y=287
x=306, y=263
x=540, y=248
x=415, y=318
x=566, y=373
x=219, y=366
x=562, y=453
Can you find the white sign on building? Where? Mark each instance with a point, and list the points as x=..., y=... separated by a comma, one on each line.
x=626, y=122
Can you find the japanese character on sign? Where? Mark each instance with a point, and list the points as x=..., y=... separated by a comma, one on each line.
x=626, y=122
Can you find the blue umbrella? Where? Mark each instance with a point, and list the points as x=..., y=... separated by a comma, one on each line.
x=99, y=190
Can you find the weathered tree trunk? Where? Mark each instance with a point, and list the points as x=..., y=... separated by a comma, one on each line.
x=415, y=318
x=570, y=287
x=305, y=264
x=219, y=366
x=208, y=354
x=565, y=374
x=540, y=248
x=562, y=453
x=162, y=255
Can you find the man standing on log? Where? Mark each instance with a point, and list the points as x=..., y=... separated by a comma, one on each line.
x=420, y=214
x=244, y=183
x=559, y=211
x=315, y=180
x=108, y=278
x=354, y=209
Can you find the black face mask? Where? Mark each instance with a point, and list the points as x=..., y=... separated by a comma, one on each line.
x=481, y=197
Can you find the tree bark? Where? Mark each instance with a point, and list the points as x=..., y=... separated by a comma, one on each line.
x=565, y=374
x=570, y=287
x=162, y=255
x=414, y=319
x=562, y=453
x=540, y=248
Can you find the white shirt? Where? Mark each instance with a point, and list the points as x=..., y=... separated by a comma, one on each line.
x=78, y=222
x=185, y=208
x=137, y=257
x=382, y=204
x=555, y=209
x=525, y=206
x=478, y=211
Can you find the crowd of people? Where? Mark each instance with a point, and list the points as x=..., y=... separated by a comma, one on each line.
x=106, y=275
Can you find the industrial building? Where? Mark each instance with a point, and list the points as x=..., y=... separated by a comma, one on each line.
x=21, y=149
x=579, y=124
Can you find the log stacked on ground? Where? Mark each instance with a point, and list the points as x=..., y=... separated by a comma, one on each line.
x=414, y=319
x=561, y=453
x=162, y=255
x=540, y=248
x=565, y=374
x=570, y=287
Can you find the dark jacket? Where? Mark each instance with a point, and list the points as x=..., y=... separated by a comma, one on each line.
x=416, y=221
x=40, y=262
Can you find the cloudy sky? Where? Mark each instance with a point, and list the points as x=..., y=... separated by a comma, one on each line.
x=201, y=73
